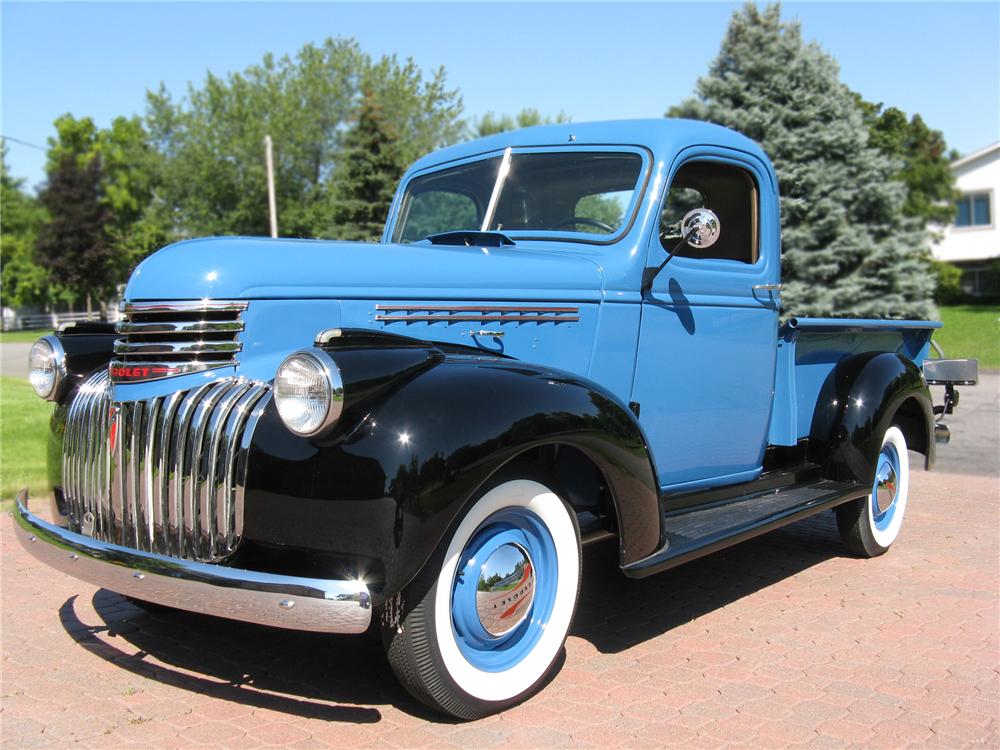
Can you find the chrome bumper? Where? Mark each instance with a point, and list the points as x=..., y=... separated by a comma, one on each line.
x=281, y=601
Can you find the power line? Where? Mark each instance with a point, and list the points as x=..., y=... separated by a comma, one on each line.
x=23, y=143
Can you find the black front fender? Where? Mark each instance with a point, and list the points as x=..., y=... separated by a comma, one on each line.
x=860, y=400
x=378, y=498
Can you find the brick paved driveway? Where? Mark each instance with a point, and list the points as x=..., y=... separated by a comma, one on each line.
x=780, y=641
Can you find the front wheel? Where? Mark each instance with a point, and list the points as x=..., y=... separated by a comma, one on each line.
x=870, y=525
x=486, y=619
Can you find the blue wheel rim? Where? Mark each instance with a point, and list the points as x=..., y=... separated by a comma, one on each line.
x=887, y=458
x=499, y=653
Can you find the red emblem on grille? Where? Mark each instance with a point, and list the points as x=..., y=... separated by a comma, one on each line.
x=131, y=373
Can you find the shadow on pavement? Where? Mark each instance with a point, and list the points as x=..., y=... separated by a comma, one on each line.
x=294, y=673
x=616, y=613
x=302, y=674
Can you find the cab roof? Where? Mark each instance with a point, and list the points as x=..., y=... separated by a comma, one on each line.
x=662, y=136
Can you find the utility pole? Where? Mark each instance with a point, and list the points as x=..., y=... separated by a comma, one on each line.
x=271, y=203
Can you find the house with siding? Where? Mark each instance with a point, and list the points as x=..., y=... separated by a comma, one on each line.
x=972, y=241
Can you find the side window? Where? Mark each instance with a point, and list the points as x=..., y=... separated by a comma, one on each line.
x=727, y=190
x=436, y=211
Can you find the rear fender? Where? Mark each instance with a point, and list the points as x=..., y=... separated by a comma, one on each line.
x=860, y=400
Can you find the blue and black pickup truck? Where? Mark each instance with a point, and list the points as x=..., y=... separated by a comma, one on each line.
x=567, y=334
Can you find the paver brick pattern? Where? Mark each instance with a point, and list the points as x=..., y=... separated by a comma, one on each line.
x=783, y=641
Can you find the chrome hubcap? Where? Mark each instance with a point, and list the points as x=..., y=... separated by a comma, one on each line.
x=505, y=589
x=885, y=487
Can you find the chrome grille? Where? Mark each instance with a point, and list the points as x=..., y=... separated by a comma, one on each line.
x=171, y=338
x=162, y=475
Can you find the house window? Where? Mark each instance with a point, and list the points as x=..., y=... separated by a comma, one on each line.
x=973, y=210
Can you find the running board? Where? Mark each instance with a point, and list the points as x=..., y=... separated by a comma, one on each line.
x=693, y=532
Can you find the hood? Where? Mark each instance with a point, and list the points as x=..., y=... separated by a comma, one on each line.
x=262, y=268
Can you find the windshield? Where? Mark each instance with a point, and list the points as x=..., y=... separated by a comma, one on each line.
x=577, y=192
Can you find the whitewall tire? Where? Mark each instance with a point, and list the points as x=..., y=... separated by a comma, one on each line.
x=485, y=622
x=870, y=525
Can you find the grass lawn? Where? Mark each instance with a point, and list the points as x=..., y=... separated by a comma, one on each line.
x=24, y=427
x=23, y=337
x=971, y=331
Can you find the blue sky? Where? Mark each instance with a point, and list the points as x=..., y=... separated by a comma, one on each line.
x=589, y=60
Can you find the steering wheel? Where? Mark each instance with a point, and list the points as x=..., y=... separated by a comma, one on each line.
x=588, y=222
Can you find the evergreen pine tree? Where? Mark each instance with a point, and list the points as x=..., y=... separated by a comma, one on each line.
x=365, y=180
x=847, y=247
x=73, y=244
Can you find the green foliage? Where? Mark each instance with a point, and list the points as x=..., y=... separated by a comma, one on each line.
x=923, y=154
x=848, y=247
x=436, y=211
x=73, y=244
x=213, y=179
x=24, y=430
x=24, y=282
x=600, y=208
x=130, y=172
x=971, y=331
x=370, y=166
x=195, y=166
x=491, y=123
x=947, y=283
x=132, y=168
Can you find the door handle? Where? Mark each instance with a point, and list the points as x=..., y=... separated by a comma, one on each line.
x=768, y=287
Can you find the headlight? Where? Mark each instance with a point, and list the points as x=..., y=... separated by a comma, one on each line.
x=309, y=392
x=47, y=367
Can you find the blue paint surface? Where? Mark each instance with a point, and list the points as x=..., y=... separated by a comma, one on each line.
x=810, y=349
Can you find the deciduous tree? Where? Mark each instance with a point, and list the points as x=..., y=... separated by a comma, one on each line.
x=212, y=139
x=923, y=155
x=492, y=123
x=73, y=244
x=24, y=282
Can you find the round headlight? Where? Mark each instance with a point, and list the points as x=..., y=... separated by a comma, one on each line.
x=46, y=367
x=308, y=392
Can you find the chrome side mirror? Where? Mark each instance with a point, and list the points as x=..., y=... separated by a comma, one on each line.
x=701, y=227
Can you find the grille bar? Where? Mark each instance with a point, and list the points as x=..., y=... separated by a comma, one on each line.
x=167, y=348
x=180, y=327
x=163, y=339
x=162, y=475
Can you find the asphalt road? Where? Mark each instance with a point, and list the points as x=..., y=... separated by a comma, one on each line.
x=14, y=360
x=975, y=425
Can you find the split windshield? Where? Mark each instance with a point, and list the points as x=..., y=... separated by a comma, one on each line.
x=583, y=195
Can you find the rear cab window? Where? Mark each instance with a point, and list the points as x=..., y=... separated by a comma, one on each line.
x=729, y=191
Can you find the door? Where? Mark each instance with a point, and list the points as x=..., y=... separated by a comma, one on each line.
x=704, y=377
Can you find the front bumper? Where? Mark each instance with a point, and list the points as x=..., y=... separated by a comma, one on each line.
x=264, y=598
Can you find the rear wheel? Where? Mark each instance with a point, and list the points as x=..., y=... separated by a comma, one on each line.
x=486, y=619
x=870, y=525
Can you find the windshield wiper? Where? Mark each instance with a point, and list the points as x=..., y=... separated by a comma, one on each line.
x=471, y=238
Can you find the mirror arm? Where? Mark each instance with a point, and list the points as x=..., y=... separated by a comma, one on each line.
x=649, y=274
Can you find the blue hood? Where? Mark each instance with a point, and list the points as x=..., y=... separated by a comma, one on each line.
x=260, y=268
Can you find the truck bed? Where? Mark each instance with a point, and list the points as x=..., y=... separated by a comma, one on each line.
x=809, y=350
